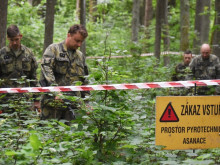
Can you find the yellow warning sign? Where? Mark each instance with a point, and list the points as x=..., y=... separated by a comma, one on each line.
x=188, y=122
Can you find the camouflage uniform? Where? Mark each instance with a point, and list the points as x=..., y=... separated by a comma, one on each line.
x=16, y=69
x=182, y=73
x=206, y=70
x=63, y=68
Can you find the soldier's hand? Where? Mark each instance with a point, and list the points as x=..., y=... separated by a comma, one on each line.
x=89, y=108
x=37, y=106
x=59, y=97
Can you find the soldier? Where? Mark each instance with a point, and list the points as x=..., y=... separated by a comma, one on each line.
x=63, y=65
x=17, y=66
x=182, y=69
x=205, y=67
x=183, y=73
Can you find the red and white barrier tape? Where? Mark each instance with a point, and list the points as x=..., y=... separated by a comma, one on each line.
x=112, y=87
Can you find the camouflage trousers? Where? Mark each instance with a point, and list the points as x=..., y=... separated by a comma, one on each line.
x=55, y=109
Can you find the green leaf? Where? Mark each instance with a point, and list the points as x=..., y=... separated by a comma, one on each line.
x=129, y=146
x=10, y=153
x=35, y=142
x=170, y=162
x=112, y=109
x=64, y=125
x=95, y=131
x=137, y=140
x=204, y=156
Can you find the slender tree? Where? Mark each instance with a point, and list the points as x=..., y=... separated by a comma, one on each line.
x=160, y=12
x=165, y=30
x=135, y=20
x=165, y=27
x=83, y=22
x=83, y=12
x=92, y=10
x=49, y=23
x=3, y=21
x=77, y=10
x=216, y=34
x=34, y=2
x=148, y=13
x=184, y=25
x=202, y=23
x=142, y=11
x=172, y=3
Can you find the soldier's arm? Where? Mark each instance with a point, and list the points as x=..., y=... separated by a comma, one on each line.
x=192, y=65
x=1, y=67
x=47, y=74
x=1, y=53
x=33, y=75
x=174, y=75
x=86, y=71
x=191, y=74
x=217, y=69
x=85, y=80
x=35, y=83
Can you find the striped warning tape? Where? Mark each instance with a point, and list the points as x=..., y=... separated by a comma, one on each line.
x=113, y=86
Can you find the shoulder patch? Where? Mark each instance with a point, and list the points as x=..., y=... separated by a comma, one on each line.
x=6, y=57
x=62, y=55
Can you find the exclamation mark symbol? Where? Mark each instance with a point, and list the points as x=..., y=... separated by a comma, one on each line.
x=169, y=112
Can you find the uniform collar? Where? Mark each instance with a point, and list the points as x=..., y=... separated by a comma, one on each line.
x=8, y=49
x=185, y=64
x=64, y=47
x=209, y=60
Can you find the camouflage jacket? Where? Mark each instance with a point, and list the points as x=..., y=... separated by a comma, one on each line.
x=205, y=69
x=182, y=72
x=16, y=71
x=62, y=67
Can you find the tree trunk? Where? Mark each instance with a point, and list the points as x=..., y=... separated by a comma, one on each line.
x=206, y=22
x=135, y=20
x=3, y=22
x=160, y=12
x=34, y=2
x=49, y=23
x=184, y=25
x=216, y=34
x=172, y=3
x=83, y=22
x=142, y=11
x=77, y=10
x=202, y=23
x=83, y=12
x=147, y=20
x=92, y=10
x=165, y=27
x=148, y=13
x=166, y=38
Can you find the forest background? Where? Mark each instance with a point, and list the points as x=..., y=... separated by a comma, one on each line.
x=121, y=128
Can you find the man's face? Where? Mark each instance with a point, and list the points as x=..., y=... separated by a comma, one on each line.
x=205, y=51
x=187, y=59
x=74, y=41
x=15, y=42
